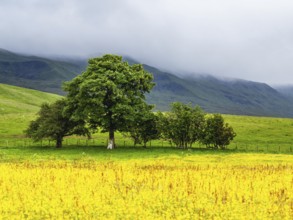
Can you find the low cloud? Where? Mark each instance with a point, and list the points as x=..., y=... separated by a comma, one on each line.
x=245, y=39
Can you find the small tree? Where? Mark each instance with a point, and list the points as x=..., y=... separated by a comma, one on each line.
x=144, y=129
x=109, y=94
x=183, y=125
x=53, y=124
x=217, y=133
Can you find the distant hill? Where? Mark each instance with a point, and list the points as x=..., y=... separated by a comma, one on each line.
x=214, y=95
x=20, y=100
x=36, y=72
x=285, y=90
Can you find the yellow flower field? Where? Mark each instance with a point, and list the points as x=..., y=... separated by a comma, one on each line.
x=236, y=186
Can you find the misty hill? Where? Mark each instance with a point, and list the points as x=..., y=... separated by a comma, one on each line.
x=212, y=94
x=15, y=99
x=215, y=95
x=285, y=90
x=36, y=72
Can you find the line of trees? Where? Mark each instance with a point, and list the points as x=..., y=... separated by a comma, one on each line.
x=110, y=96
x=183, y=126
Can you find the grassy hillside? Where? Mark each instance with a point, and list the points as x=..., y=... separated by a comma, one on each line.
x=18, y=106
x=261, y=132
x=253, y=133
x=20, y=100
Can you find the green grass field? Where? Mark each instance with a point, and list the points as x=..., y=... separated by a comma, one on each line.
x=19, y=106
x=14, y=99
x=157, y=182
x=253, y=133
x=262, y=132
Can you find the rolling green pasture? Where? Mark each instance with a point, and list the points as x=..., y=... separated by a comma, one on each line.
x=253, y=133
x=262, y=133
x=14, y=99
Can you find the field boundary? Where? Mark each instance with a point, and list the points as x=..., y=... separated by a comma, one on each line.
x=124, y=142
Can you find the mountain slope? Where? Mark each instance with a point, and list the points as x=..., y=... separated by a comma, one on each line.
x=285, y=90
x=212, y=94
x=36, y=72
x=14, y=99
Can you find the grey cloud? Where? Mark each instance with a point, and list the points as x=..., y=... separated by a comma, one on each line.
x=248, y=39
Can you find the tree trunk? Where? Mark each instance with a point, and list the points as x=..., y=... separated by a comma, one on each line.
x=111, y=143
x=59, y=142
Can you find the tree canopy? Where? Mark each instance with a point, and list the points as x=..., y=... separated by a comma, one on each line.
x=183, y=125
x=144, y=129
x=53, y=124
x=109, y=94
x=217, y=133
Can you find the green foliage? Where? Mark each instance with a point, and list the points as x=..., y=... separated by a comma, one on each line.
x=144, y=128
x=217, y=133
x=109, y=94
x=53, y=124
x=183, y=125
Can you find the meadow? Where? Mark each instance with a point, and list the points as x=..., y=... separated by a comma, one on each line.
x=230, y=186
x=84, y=180
x=252, y=179
x=261, y=134
x=18, y=106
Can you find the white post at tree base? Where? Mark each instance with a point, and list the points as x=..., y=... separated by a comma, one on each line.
x=110, y=145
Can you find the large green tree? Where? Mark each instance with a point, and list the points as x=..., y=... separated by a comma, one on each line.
x=217, y=133
x=183, y=125
x=109, y=94
x=53, y=124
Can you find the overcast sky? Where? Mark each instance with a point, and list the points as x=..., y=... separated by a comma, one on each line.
x=247, y=39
